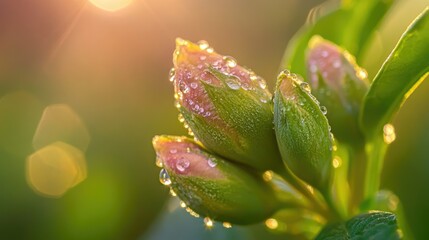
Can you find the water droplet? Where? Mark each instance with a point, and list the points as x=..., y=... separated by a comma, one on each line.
x=181, y=118
x=362, y=74
x=173, y=151
x=305, y=87
x=203, y=44
x=212, y=162
x=194, y=85
x=263, y=99
x=208, y=222
x=158, y=162
x=181, y=42
x=389, y=134
x=332, y=137
x=191, y=212
x=226, y=225
x=253, y=77
x=246, y=86
x=190, y=132
x=164, y=178
x=182, y=164
x=271, y=223
x=210, y=50
x=172, y=192
x=232, y=83
x=336, y=162
x=183, y=87
x=230, y=61
x=294, y=77
x=323, y=110
x=284, y=73
x=262, y=83
x=172, y=73
x=267, y=176
x=182, y=204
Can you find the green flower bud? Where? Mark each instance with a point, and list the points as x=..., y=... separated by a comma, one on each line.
x=227, y=106
x=340, y=85
x=302, y=130
x=211, y=186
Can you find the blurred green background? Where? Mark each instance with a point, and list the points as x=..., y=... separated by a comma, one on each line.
x=96, y=79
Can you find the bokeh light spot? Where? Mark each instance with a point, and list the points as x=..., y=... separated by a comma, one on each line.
x=111, y=5
x=54, y=169
x=60, y=123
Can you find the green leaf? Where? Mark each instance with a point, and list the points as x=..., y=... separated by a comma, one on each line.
x=374, y=225
x=404, y=69
x=349, y=25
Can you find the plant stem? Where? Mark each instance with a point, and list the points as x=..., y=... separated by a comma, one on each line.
x=375, y=150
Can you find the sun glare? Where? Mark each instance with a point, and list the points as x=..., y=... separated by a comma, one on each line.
x=111, y=5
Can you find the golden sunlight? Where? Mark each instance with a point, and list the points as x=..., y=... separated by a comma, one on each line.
x=111, y=5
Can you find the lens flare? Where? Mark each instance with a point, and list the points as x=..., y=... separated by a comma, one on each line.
x=111, y=5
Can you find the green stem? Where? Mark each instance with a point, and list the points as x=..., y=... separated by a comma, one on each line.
x=357, y=174
x=375, y=150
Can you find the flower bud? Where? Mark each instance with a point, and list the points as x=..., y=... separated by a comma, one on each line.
x=340, y=85
x=302, y=130
x=227, y=107
x=211, y=186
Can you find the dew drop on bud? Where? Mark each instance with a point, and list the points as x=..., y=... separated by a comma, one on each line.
x=182, y=164
x=181, y=118
x=158, y=162
x=212, y=162
x=305, y=87
x=323, y=110
x=208, y=222
x=171, y=74
x=284, y=73
x=362, y=74
x=262, y=83
x=164, y=178
x=232, y=83
x=389, y=134
x=194, y=85
x=230, y=61
x=183, y=87
x=182, y=204
x=226, y=225
x=172, y=192
x=203, y=44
